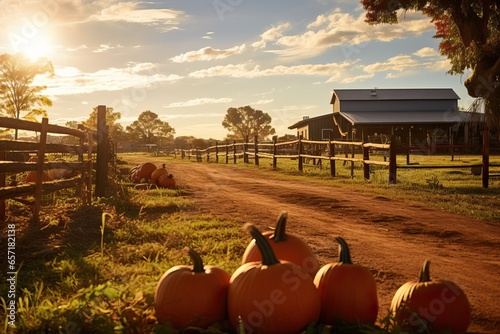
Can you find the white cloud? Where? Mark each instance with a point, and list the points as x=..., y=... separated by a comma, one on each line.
x=199, y=101
x=271, y=35
x=241, y=70
x=106, y=47
x=339, y=28
x=406, y=65
x=71, y=81
x=166, y=19
x=208, y=54
x=426, y=52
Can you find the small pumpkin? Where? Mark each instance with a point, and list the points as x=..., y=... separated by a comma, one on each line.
x=31, y=177
x=192, y=295
x=166, y=181
x=157, y=173
x=431, y=306
x=271, y=296
x=348, y=291
x=286, y=247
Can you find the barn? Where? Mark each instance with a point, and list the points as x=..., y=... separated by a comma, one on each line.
x=427, y=116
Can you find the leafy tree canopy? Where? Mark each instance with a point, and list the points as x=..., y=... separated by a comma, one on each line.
x=246, y=123
x=470, y=37
x=115, y=130
x=150, y=129
x=17, y=93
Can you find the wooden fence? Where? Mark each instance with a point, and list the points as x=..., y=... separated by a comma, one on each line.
x=308, y=152
x=17, y=190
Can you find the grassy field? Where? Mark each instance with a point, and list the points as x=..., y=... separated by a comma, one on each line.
x=94, y=269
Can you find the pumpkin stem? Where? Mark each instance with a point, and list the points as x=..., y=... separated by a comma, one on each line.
x=344, y=253
x=268, y=257
x=425, y=275
x=280, y=230
x=198, y=266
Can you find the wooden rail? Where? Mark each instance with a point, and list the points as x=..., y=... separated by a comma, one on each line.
x=17, y=190
x=331, y=151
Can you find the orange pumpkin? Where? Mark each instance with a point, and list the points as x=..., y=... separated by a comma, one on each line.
x=145, y=170
x=157, y=173
x=286, y=247
x=348, y=291
x=192, y=295
x=31, y=177
x=431, y=306
x=166, y=181
x=132, y=176
x=269, y=296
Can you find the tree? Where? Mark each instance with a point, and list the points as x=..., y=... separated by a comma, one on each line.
x=115, y=130
x=150, y=129
x=246, y=122
x=17, y=92
x=470, y=38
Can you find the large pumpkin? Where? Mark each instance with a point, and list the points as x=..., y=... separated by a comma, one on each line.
x=269, y=296
x=157, y=173
x=145, y=170
x=428, y=306
x=192, y=295
x=348, y=291
x=286, y=247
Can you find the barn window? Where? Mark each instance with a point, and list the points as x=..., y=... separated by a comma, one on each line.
x=325, y=133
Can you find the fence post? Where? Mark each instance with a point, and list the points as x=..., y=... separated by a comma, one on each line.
x=366, y=165
x=216, y=152
x=275, y=160
x=353, y=148
x=256, y=149
x=227, y=153
x=299, y=152
x=2, y=184
x=234, y=152
x=102, y=153
x=486, y=157
x=392, y=161
x=331, y=147
x=39, y=169
x=245, y=148
x=208, y=154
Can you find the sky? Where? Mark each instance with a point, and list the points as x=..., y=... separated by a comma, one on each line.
x=189, y=61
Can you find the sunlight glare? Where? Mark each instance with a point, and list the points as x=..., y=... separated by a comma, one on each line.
x=37, y=48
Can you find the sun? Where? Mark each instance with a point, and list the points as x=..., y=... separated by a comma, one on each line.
x=37, y=48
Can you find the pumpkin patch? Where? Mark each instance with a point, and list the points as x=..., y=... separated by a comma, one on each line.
x=273, y=294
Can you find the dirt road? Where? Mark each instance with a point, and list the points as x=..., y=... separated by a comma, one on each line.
x=391, y=238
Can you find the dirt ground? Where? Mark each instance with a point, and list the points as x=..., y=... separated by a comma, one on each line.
x=391, y=238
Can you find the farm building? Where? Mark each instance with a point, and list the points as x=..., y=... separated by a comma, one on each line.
x=414, y=116
x=316, y=128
